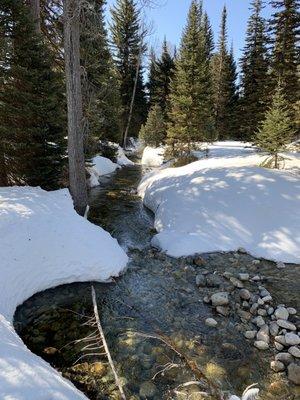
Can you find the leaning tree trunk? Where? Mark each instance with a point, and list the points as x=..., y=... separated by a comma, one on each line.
x=77, y=179
x=35, y=10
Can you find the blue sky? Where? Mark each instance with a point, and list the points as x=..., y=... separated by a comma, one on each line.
x=170, y=18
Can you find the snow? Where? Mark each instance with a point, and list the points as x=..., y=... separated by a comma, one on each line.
x=153, y=157
x=100, y=166
x=122, y=159
x=225, y=202
x=43, y=243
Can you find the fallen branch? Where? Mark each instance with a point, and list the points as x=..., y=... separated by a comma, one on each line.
x=111, y=363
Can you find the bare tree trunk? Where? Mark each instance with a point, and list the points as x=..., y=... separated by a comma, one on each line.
x=77, y=179
x=133, y=96
x=35, y=10
x=3, y=172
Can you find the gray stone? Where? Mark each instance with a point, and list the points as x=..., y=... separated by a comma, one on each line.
x=256, y=262
x=280, y=265
x=278, y=346
x=200, y=280
x=281, y=313
x=220, y=299
x=212, y=323
x=244, y=277
x=285, y=358
x=199, y=261
x=286, y=325
x=148, y=390
x=280, y=339
x=267, y=299
x=244, y=315
x=206, y=299
x=270, y=310
x=262, y=312
x=260, y=302
x=236, y=282
x=245, y=294
x=259, y=321
x=292, y=339
x=294, y=373
x=292, y=311
x=259, y=344
x=227, y=275
x=250, y=334
x=294, y=351
x=264, y=292
x=223, y=310
x=277, y=366
x=241, y=250
x=256, y=278
x=263, y=334
x=274, y=328
x=254, y=308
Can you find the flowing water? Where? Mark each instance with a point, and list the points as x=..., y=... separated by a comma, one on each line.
x=157, y=296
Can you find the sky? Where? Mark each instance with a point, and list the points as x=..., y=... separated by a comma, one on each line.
x=170, y=17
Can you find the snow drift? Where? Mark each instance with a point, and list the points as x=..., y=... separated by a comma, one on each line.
x=226, y=202
x=43, y=243
x=153, y=157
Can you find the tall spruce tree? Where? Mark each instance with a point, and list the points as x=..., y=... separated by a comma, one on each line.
x=129, y=49
x=152, y=83
x=285, y=24
x=254, y=73
x=224, y=84
x=101, y=99
x=191, y=114
x=277, y=128
x=32, y=112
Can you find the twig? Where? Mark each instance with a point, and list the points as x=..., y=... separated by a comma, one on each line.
x=117, y=380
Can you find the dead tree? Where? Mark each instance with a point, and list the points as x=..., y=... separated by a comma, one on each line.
x=77, y=178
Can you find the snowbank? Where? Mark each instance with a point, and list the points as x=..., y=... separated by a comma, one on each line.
x=100, y=166
x=122, y=159
x=226, y=202
x=153, y=157
x=43, y=243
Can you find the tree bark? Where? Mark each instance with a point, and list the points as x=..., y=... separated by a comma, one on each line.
x=77, y=178
x=35, y=10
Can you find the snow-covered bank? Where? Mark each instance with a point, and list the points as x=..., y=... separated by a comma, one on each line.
x=153, y=157
x=225, y=202
x=43, y=243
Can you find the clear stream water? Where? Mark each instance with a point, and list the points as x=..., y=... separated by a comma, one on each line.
x=156, y=294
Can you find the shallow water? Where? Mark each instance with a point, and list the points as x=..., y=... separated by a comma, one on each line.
x=157, y=295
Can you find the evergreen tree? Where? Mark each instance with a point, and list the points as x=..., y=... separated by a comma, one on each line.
x=129, y=49
x=32, y=111
x=234, y=100
x=285, y=25
x=191, y=115
x=255, y=78
x=154, y=131
x=152, y=81
x=101, y=99
x=276, y=130
x=224, y=84
x=208, y=35
x=162, y=74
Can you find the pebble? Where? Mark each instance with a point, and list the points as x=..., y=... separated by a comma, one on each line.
x=250, y=334
x=281, y=313
x=286, y=325
x=262, y=312
x=270, y=310
x=261, y=345
x=259, y=321
x=294, y=351
x=199, y=261
x=294, y=373
x=236, y=282
x=263, y=334
x=280, y=339
x=280, y=265
x=212, y=323
x=220, y=299
x=200, y=280
x=213, y=280
x=274, y=329
x=260, y=302
x=292, y=339
x=256, y=278
x=285, y=358
x=244, y=277
x=223, y=310
x=206, y=299
x=278, y=346
x=267, y=299
x=254, y=308
x=292, y=311
x=245, y=294
x=277, y=366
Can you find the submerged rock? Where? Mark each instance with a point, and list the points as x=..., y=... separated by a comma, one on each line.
x=294, y=373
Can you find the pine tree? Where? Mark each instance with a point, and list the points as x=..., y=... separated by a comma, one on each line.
x=154, y=131
x=208, y=35
x=285, y=25
x=101, y=100
x=224, y=84
x=32, y=112
x=234, y=100
x=191, y=115
x=255, y=78
x=129, y=48
x=152, y=83
x=276, y=130
x=161, y=76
